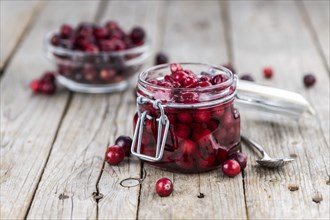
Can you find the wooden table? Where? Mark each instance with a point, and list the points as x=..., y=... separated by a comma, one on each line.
x=52, y=147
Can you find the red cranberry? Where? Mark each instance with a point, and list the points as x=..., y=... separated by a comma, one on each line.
x=164, y=187
x=175, y=67
x=179, y=76
x=185, y=162
x=247, y=77
x=55, y=40
x=217, y=79
x=66, y=30
x=118, y=34
x=161, y=58
x=200, y=133
x=185, y=117
x=230, y=67
x=48, y=77
x=124, y=142
x=207, y=162
x=241, y=158
x=48, y=88
x=212, y=125
x=181, y=130
x=204, y=84
x=190, y=82
x=205, y=78
x=231, y=168
x=107, y=75
x=85, y=30
x=268, y=72
x=100, y=32
x=309, y=80
x=137, y=35
x=112, y=45
x=35, y=85
x=188, y=147
x=114, y=155
x=202, y=116
x=111, y=25
x=91, y=48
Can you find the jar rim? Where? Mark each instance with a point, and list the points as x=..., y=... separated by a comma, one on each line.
x=144, y=82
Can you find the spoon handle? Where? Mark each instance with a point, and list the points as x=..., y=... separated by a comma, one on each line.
x=254, y=144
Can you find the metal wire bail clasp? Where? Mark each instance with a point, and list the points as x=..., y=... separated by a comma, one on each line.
x=163, y=123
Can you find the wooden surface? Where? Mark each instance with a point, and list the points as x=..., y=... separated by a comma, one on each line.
x=52, y=147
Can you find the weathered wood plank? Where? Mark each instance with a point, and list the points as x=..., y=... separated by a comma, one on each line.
x=318, y=14
x=15, y=17
x=194, y=33
x=29, y=122
x=273, y=33
x=120, y=202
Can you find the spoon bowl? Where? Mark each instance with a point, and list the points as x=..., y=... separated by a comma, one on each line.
x=266, y=160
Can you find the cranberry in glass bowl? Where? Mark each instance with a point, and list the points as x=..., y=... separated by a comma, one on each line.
x=96, y=59
x=186, y=120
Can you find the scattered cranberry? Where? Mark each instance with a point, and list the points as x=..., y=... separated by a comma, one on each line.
x=241, y=158
x=114, y=155
x=35, y=85
x=137, y=35
x=161, y=58
x=247, y=77
x=268, y=72
x=164, y=187
x=231, y=168
x=125, y=142
x=48, y=88
x=46, y=84
x=309, y=80
x=48, y=77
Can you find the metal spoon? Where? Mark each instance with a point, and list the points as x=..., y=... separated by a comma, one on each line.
x=266, y=160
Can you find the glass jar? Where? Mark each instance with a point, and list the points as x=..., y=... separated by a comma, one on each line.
x=186, y=130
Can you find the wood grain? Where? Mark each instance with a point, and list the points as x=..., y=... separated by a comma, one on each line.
x=14, y=19
x=197, y=36
x=29, y=122
x=318, y=14
x=120, y=202
x=265, y=34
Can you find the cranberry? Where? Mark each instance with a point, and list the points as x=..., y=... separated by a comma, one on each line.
x=309, y=80
x=199, y=133
x=230, y=67
x=114, y=155
x=161, y=58
x=137, y=35
x=179, y=76
x=207, y=162
x=112, y=45
x=185, y=117
x=107, y=75
x=164, y=187
x=55, y=40
x=231, y=168
x=185, y=162
x=241, y=158
x=85, y=30
x=111, y=25
x=202, y=116
x=247, y=77
x=205, y=78
x=190, y=82
x=268, y=72
x=35, y=85
x=182, y=130
x=188, y=147
x=48, y=88
x=204, y=84
x=91, y=48
x=48, y=77
x=175, y=67
x=124, y=142
x=66, y=31
x=100, y=32
x=217, y=79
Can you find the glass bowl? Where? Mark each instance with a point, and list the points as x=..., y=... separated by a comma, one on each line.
x=100, y=72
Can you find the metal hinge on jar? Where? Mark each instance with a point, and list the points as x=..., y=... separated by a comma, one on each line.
x=163, y=123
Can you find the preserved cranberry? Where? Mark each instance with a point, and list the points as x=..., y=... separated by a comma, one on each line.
x=231, y=168
x=164, y=187
x=114, y=155
x=309, y=80
x=268, y=72
x=199, y=138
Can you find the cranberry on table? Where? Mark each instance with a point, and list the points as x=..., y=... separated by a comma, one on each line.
x=35, y=85
x=247, y=77
x=231, y=168
x=241, y=158
x=114, y=155
x=48, y=77
x=125, y=142
x=48, y=88
x=161, y=58
x=309, y=80
x=45, y=84
x=268, y=72
x=164, y=187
